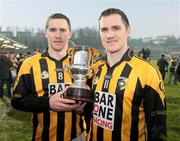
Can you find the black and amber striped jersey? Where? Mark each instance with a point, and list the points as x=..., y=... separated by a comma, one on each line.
x=129, y=102
x=39, y=77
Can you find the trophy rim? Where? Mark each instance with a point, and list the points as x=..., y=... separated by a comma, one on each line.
x=83, y=47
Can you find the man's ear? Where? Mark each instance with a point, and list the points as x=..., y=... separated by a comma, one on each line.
x=70, y=35
x=128, y=31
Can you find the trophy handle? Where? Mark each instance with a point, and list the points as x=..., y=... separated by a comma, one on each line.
x=67, y=69
x=90, y=73
x=95, y=53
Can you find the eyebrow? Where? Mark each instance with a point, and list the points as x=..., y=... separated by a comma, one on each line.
x=114, y=26
x=54, y=28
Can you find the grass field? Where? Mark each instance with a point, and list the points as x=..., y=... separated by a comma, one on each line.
x=15, y=125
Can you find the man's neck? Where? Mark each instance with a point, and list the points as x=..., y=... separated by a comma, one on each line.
x=57, y=54
x=113, y=58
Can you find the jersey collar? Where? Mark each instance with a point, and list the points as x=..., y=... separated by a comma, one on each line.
x=128, y=55
x=46, y=54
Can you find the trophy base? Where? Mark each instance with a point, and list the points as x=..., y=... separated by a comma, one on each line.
x=79, y=94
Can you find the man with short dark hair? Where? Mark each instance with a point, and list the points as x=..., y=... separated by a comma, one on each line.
x=41, y=84
x=129, y=98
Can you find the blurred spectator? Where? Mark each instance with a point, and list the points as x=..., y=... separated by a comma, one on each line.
x=36, y=51
x=19, y=62
x=144, y=53
x=162, y=63
x=5, y=74
x=172, y=70
x=177, y=72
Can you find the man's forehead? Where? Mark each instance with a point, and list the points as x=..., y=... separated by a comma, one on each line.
x=108, y=21
x=108, y=25
x=57, y=21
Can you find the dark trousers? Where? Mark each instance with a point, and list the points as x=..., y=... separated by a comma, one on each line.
x=163, y=73
x=8, y=83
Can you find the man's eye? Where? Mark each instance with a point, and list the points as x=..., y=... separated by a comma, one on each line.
x=62, y=30
x=104, y=29
x=116, y=28
x=52, y=29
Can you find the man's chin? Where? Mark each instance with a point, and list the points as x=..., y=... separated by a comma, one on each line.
x=112, y=51
x=58, y=47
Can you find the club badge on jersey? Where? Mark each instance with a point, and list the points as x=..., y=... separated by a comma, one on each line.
x=122, y=82
x=44, y=75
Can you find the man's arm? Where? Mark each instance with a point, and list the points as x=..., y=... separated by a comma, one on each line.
x=31, y=103
x=155, y=113
x=25, y=97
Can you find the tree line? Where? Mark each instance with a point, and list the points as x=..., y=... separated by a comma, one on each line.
x=89, y=36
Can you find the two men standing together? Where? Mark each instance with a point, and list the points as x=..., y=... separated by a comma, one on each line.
x=137, y=110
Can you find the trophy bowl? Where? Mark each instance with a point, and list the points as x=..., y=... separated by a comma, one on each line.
x=79, y=68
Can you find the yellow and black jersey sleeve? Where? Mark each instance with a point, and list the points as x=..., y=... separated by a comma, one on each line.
x=153, y=100
x=25, y=94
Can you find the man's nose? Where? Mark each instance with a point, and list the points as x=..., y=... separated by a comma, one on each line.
x=110, y=34
x=58, y=33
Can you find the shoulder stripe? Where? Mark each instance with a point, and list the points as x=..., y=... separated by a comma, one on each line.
x=159, y=75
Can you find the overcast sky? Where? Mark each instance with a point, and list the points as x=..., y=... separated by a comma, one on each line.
x=146, y=17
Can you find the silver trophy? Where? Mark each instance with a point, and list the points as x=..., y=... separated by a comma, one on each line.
x=79, y=69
